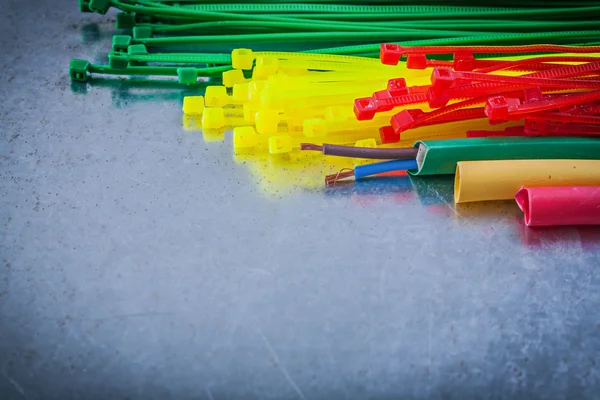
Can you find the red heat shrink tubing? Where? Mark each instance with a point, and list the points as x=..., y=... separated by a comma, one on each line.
x=554, y=206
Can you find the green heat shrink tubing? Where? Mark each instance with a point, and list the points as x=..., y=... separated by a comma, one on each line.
x=437, y=157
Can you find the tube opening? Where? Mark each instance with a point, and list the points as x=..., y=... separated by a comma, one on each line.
x=522, y=199
x=457, y=184
x=422, y=151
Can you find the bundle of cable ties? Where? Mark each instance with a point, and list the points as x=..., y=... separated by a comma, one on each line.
x=507, y=98
x=426, y=116
x=174, y=38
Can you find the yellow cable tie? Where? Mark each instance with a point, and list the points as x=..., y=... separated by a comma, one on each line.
x=216, y=118
x=233, y=77
x=217, y=96
x=319, y=127
x=193, y=105
x=244, y=58
x=247, y=140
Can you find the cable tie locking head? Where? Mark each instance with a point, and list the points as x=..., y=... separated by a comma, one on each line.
x=245, y=139
x=142, y=32
x=265, y=67
x=118, y=60
x=84, y=6
x=193, y=105
x=498, y=107
x=216, y=96
x=436, y=100
x=125, y=20
x=416, y=61
x=233, y=77
x=242, y=59
x=387, y=135
x=397, y=87
x=120, y=43
x=213, y=118
x=78, y=70
x=441, y=80
x=267, y=121
x=533, y=94
x=390, y=54
x=402, y=121
x=382, y=95
x=137, y=50
x=464, y=61
x=187, y=75
x=365, y=108
x=241, y=92
x=99, y=6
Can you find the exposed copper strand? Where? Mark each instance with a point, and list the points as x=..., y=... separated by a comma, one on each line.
x=310, y=146
x=331, y=180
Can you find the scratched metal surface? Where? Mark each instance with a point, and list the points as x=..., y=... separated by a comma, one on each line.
x=139, y=260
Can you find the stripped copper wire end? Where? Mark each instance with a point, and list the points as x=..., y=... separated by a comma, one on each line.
x=332, y=180
x=310, y=146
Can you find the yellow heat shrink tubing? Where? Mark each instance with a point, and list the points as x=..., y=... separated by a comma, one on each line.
x=500, y=180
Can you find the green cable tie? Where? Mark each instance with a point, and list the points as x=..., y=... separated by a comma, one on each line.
x=80, y=70
x=138, y=53
x=334, y=8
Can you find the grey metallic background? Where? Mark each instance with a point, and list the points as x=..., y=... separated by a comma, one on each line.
x=140, y=262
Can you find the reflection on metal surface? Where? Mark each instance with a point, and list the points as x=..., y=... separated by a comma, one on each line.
x=488, y=211
x=547, y=238
x=434, y=190
x=126, y=91
x=276, y=174
x=192, y=123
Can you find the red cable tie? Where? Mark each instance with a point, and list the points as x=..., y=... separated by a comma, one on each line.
x=397, y=87
x=443, y=78
x=366, y=108
x=499, y=107
x=396, y=95
x=439, y=98
x=590, y=109
x=537, y=60
x=401, y=121
x=510, y=131
x=392, y=53
x=545, y=128
x=389, y=135
x=420, y=62
x=539, y=106
x=561, y=117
